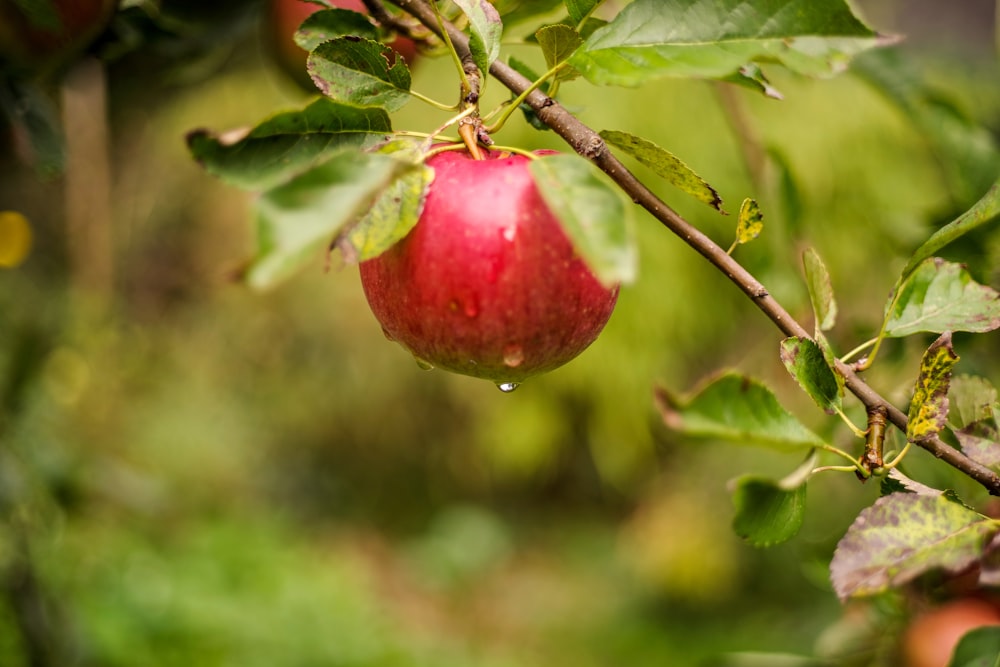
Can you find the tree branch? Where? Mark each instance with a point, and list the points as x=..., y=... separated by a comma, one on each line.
x=590, y=145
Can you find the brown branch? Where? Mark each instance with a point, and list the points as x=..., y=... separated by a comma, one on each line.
x=590, y=145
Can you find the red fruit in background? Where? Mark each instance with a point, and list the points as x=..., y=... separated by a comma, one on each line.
x=487, y=284
x=932, y=636
x=283, y=18
x=51, y=34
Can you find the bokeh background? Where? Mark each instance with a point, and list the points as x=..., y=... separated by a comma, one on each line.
x=192, y=473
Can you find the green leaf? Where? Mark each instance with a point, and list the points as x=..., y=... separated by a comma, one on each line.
x=30, y=109
x=904, y=535
x=288, y=144
x=328, y=24
x=298, y=220
x=558, y=43
x=395, y=211
x=752, y=76
x=519, y=11
x=362, y=72
x=581, y=9
x=978, y=648
x=929, y=405
x=831, y=359
x=972, y=399
x=485, y=29
x=820, y=290
x=766, y=513
x=986, y=209
x=941, y=296
x=594, y=215
x=806, y=362
x=738, y=408
x=527, y=72
x=750, y=223
x=666, y=165
x=650, y=39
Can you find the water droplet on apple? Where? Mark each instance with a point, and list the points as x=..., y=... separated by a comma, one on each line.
x=509, y=233
x=507, y=387
x=513, y=355
x=423, y=364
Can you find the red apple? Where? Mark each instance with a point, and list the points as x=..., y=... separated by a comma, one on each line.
x=283, y=18
x=50, y=37
x=931, y=638
x=487, y=284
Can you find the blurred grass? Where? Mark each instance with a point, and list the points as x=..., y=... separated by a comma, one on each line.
x=201, y=475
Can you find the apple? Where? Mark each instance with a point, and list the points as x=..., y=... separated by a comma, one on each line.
x=931, y=638
x=487, y=283
x=48, y=38
x=283, y=18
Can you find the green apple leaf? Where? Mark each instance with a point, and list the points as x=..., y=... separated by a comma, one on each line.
x=594, y=214
x=485, y=28
x=581, y=9
x=651, y=39
x=518, y=11
x=929, y=406
x=806, y=362
x=362, y=72
x=328, y=24
x=983, y=211
x=972, y=399
x=752, y=76
x=750, y=223
x=831, y=359
x=981, y=443
x=904, y=535
x=288, y=144
x=767, y=514
x=297, y=221
x=395, y=211
x=820, y=290
x=665, y=165
x=558, y=43
x=941, y=296
x=978, y=648
x=737, y=408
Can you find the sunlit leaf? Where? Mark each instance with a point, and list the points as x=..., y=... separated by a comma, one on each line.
x=558, y=43
x=941, y=296
x=737, y=408
x=978, y=648
x=485, y=29
x=666, y=165
x=580, y=9
x=904, y=535
x=767, y=514
x=715, y=38
x=362, y=72
x=594, y=215
x=395, y=211
x=820, y=290
x=298, y=220
x=328, y=24
x=929, y=406
x=288, y=144
x=805, y=361
x=750, y=223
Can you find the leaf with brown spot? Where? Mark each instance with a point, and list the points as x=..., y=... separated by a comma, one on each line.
x=929, y=406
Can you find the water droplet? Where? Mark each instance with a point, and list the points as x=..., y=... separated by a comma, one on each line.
x=509, y=233
x=507, y=387
x=513, y=355
x=423, y=364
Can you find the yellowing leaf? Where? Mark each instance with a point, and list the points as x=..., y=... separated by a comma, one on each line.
x=929, y=406
x=751, y=222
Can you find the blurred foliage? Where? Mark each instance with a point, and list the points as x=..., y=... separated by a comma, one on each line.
x=192, y=474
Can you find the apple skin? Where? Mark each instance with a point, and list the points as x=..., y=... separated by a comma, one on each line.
x=283, y=18
x=31, y=48
x=931, y=638
x=487, y=283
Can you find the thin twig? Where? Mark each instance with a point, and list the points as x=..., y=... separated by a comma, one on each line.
x=590, y=145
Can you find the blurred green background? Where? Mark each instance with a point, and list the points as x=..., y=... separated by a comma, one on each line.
x=195, y=474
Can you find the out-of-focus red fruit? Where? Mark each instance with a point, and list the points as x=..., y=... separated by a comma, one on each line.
x=931, y=638
x=284, y=17
x=487, y=283
x=52, y=35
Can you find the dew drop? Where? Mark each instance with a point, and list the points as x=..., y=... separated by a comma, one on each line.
x=507, y=387
x=513, y=355
x=509, y=233
x=423, y=364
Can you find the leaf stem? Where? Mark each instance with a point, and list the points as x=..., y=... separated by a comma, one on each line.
x=444, y=126
x=433, y=102
x=847, y=420
x=517, y=101
x=859, y=349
